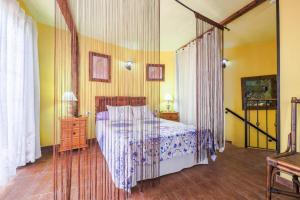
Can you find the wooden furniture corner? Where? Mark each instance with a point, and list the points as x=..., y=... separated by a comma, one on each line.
x=173, y=116
x=286, y=163
x=73, y=133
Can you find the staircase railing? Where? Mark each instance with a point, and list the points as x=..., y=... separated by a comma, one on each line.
x=261, y=108
x=256, y=107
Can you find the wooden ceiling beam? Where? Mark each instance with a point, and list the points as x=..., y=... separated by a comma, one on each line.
x=202, y=17
x=233, y=17
x=242, y=11
x=65, y=11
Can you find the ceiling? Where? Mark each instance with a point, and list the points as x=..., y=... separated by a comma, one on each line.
x=178, y=23
x=258, y=25
x=42, y=10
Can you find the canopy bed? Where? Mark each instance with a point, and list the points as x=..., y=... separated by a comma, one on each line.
x=110, y=63
x=171, y=141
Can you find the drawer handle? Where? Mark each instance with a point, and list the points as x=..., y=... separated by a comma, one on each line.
x=74, y=133
x=74, y=124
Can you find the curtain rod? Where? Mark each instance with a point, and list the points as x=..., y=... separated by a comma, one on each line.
x=202, y=17
x=193, y=40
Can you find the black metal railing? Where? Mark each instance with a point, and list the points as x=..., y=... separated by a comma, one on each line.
x=249, y=109
x=262, y=109
x=227, y=110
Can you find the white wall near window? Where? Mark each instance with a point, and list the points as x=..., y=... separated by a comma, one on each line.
x=19, y=90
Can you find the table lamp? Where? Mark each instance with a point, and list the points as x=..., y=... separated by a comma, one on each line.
x=70, y=98
x=168, y=98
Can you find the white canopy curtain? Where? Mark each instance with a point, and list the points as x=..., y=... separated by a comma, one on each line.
x=209, y=89
x=199, y=88
x=19, y=90
x=185, y=98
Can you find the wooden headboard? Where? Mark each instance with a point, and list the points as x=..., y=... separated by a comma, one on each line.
x=102, y=101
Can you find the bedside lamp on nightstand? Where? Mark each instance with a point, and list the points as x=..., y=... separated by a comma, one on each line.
x=168, y=98
x=73, y=129
x=70, y=98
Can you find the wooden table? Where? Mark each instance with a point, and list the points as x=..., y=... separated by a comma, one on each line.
x=169, y=115
x=73, y=133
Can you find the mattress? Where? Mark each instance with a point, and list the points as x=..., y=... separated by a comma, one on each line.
x=145, y=149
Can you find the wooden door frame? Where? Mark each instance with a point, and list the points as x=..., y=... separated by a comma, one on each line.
x=278, y=132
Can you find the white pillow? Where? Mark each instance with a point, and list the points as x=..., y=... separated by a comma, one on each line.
x=141, y=112
x=119, y=113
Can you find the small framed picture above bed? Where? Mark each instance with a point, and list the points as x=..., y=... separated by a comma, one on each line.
x=100, y=67
x=155, y=72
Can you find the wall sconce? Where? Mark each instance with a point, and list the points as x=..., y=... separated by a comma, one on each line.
x=225, y=63
x=128, y=65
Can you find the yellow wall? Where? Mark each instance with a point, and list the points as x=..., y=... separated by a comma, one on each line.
x=246, y=60
x=130, y=79
x=167, y=86
x=46, y=62
x=290, y=64
x=124, y=82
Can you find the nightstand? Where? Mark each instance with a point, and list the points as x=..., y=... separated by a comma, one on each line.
x=173, y=116
x=73, y=133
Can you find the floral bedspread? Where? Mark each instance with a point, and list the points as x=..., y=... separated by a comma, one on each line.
x=134, y=149
x=176, y=139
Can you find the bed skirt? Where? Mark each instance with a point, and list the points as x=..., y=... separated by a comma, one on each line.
x=177, y=164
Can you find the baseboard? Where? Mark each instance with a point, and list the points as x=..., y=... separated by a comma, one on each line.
x=49, y=149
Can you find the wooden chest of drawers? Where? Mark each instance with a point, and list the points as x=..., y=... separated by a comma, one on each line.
x=73, y=133
x=173, y=116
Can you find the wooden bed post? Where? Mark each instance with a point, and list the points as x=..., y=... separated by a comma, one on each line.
x=66, y=12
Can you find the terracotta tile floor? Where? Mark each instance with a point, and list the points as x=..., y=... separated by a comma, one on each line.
x=237, y=174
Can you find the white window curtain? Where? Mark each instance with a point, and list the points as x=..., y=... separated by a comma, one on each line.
x=185, y=98
x=19, y=90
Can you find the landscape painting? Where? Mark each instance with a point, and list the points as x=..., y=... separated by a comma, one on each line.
x=260, y=92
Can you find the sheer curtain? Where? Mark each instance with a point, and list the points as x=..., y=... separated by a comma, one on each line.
x=185, y=98
x=19, y=90
x=210, y=106
x=125, y=31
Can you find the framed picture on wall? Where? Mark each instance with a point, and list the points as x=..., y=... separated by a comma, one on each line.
x=155, y=72
x=100, y=67
x=260, y=92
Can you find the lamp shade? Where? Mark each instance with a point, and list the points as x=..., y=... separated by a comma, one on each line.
x=168, y=97
x=69, y=96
